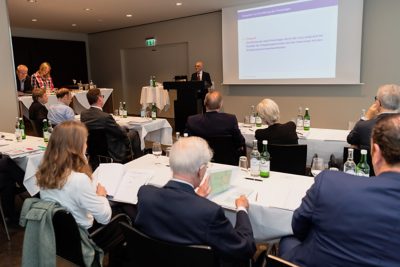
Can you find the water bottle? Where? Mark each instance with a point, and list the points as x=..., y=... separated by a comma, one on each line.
x=124, y=110
x=177, y=136
x=120, y=109
x=22, y=128
x=258, y=120
x=46, y=134
x=362, y=168
x=153, y=111
x=91, y=85
x=252, y=116
x=300, y=119
x=349, y=166
x=255, y=160
x=17, y=131
x=307, y=121
x=264, y=160
x=143, y=112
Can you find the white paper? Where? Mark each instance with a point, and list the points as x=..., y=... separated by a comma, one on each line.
x=130, y=184
x=110, y=175
x=227, y=198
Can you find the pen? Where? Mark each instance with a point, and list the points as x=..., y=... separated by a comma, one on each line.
x=253, y=179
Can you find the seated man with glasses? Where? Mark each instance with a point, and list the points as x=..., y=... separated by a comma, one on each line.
x=179, y=214
x=387, y=101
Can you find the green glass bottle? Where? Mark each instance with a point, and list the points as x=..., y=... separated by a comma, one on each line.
x=362, y=168
x=124, y=110
x=153, y=111
x=46, y=134
x=264, y=161
x=258, y=120
x=22, y=128
x=307, y=120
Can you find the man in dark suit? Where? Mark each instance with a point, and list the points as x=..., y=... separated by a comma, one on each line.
x=201, y=75
x=38, y=111
x=23, y=80
x=347, y=220
x=178, y=213
x=387, y=101
x=123, y=146
x=213, y=122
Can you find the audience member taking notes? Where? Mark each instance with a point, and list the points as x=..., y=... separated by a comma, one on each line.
x=347, y=220
x=177, y=213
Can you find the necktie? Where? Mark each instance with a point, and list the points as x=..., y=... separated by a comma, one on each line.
x=198, y=76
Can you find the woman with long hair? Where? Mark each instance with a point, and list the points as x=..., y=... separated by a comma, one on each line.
x=42, y=78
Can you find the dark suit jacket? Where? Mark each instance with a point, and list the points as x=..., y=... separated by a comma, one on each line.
x=360, y=136
x=117, y=140
x=175, y=213
x=347, y=220
x=27, y=85
x=38, y=112
x=215, y=123
x=207, y=83
x=277, y=134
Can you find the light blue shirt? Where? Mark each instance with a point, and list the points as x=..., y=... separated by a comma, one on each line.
x=59, y=113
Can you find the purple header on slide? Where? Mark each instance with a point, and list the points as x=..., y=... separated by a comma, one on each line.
x=312, y=4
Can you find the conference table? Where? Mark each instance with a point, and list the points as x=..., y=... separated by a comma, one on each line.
x=158, y=130
x=27, y=154
x=322, y=142
x=272, y=200
x=79, y=101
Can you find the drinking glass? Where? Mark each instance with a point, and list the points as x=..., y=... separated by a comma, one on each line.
x=167, y=151
x=317, y=166
x=246, y=121
x=156, y=150
x=243, y=163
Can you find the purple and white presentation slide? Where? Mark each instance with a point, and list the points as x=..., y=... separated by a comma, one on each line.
x=293, y=40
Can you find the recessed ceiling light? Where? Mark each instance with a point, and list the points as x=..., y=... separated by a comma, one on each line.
x=128, y=15
x=73, y=25
x=179, y=4
x=32, y=1
x=34, y=20
x=88, y=9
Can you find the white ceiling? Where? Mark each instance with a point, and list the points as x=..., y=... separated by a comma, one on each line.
x=59, y=15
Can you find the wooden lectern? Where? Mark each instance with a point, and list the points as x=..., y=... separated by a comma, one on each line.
x=185, y=105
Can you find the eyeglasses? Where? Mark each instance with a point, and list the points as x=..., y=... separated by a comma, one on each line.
x=376, y=98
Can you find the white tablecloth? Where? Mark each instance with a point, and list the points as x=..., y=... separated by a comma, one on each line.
x=156, y=95
x=79, y=101
x=158, y=130
x=271, y=203
x=323, y=142
x=27, y=162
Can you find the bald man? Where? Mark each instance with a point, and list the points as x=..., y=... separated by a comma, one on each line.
x=213, y=122
x=201, y=75
x=23, y=80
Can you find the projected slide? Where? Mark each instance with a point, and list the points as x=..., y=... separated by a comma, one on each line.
x=293, y=40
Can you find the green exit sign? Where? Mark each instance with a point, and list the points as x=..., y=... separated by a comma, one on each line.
x=150, y=41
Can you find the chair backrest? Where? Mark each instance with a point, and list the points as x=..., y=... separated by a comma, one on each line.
x=288, y=158
x=147, y=251
x=273, y=261
x=97, y=146
x=225, y=151
x=36, y=127
x=357, y=157
x=68, y=239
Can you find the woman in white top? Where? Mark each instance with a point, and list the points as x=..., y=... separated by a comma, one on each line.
x=65, y=176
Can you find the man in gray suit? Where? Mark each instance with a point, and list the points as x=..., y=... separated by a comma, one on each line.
x=123, y=146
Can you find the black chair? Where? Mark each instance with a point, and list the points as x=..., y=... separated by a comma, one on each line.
x=225, y=151
x=36, y=128
x=4, y=220
x=357, y=157
x=68, y=239
x=273, y=261
x=146, y=251
x=288, y=158
x=97, y=148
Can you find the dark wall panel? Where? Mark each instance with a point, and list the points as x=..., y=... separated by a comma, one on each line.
x=67, y=58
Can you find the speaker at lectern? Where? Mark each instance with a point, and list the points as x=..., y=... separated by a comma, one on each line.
x=185, y=104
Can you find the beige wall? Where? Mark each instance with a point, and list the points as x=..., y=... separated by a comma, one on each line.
x=8, y=107
x=331, y=106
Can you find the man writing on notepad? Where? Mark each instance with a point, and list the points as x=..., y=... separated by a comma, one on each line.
x=178, y=213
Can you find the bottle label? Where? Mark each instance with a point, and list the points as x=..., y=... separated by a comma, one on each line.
x=254, y=167
x=264, y=168
x=307, y=123
x=46, y=136
x=142, y=113
x=153, y=115
x=362, y=173
x=299, y=123
x=258, y=121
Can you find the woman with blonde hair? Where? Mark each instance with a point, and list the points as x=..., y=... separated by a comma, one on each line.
x=276, y=133
x=42, y=78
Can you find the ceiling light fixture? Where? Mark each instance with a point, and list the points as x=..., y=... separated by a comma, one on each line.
x=128, y=15
x=34, y=20
x=179, y=4
x=31, y=1
x=74, y=25
x=88, y=9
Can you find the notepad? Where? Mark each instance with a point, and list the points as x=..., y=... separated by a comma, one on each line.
x=122, y=184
